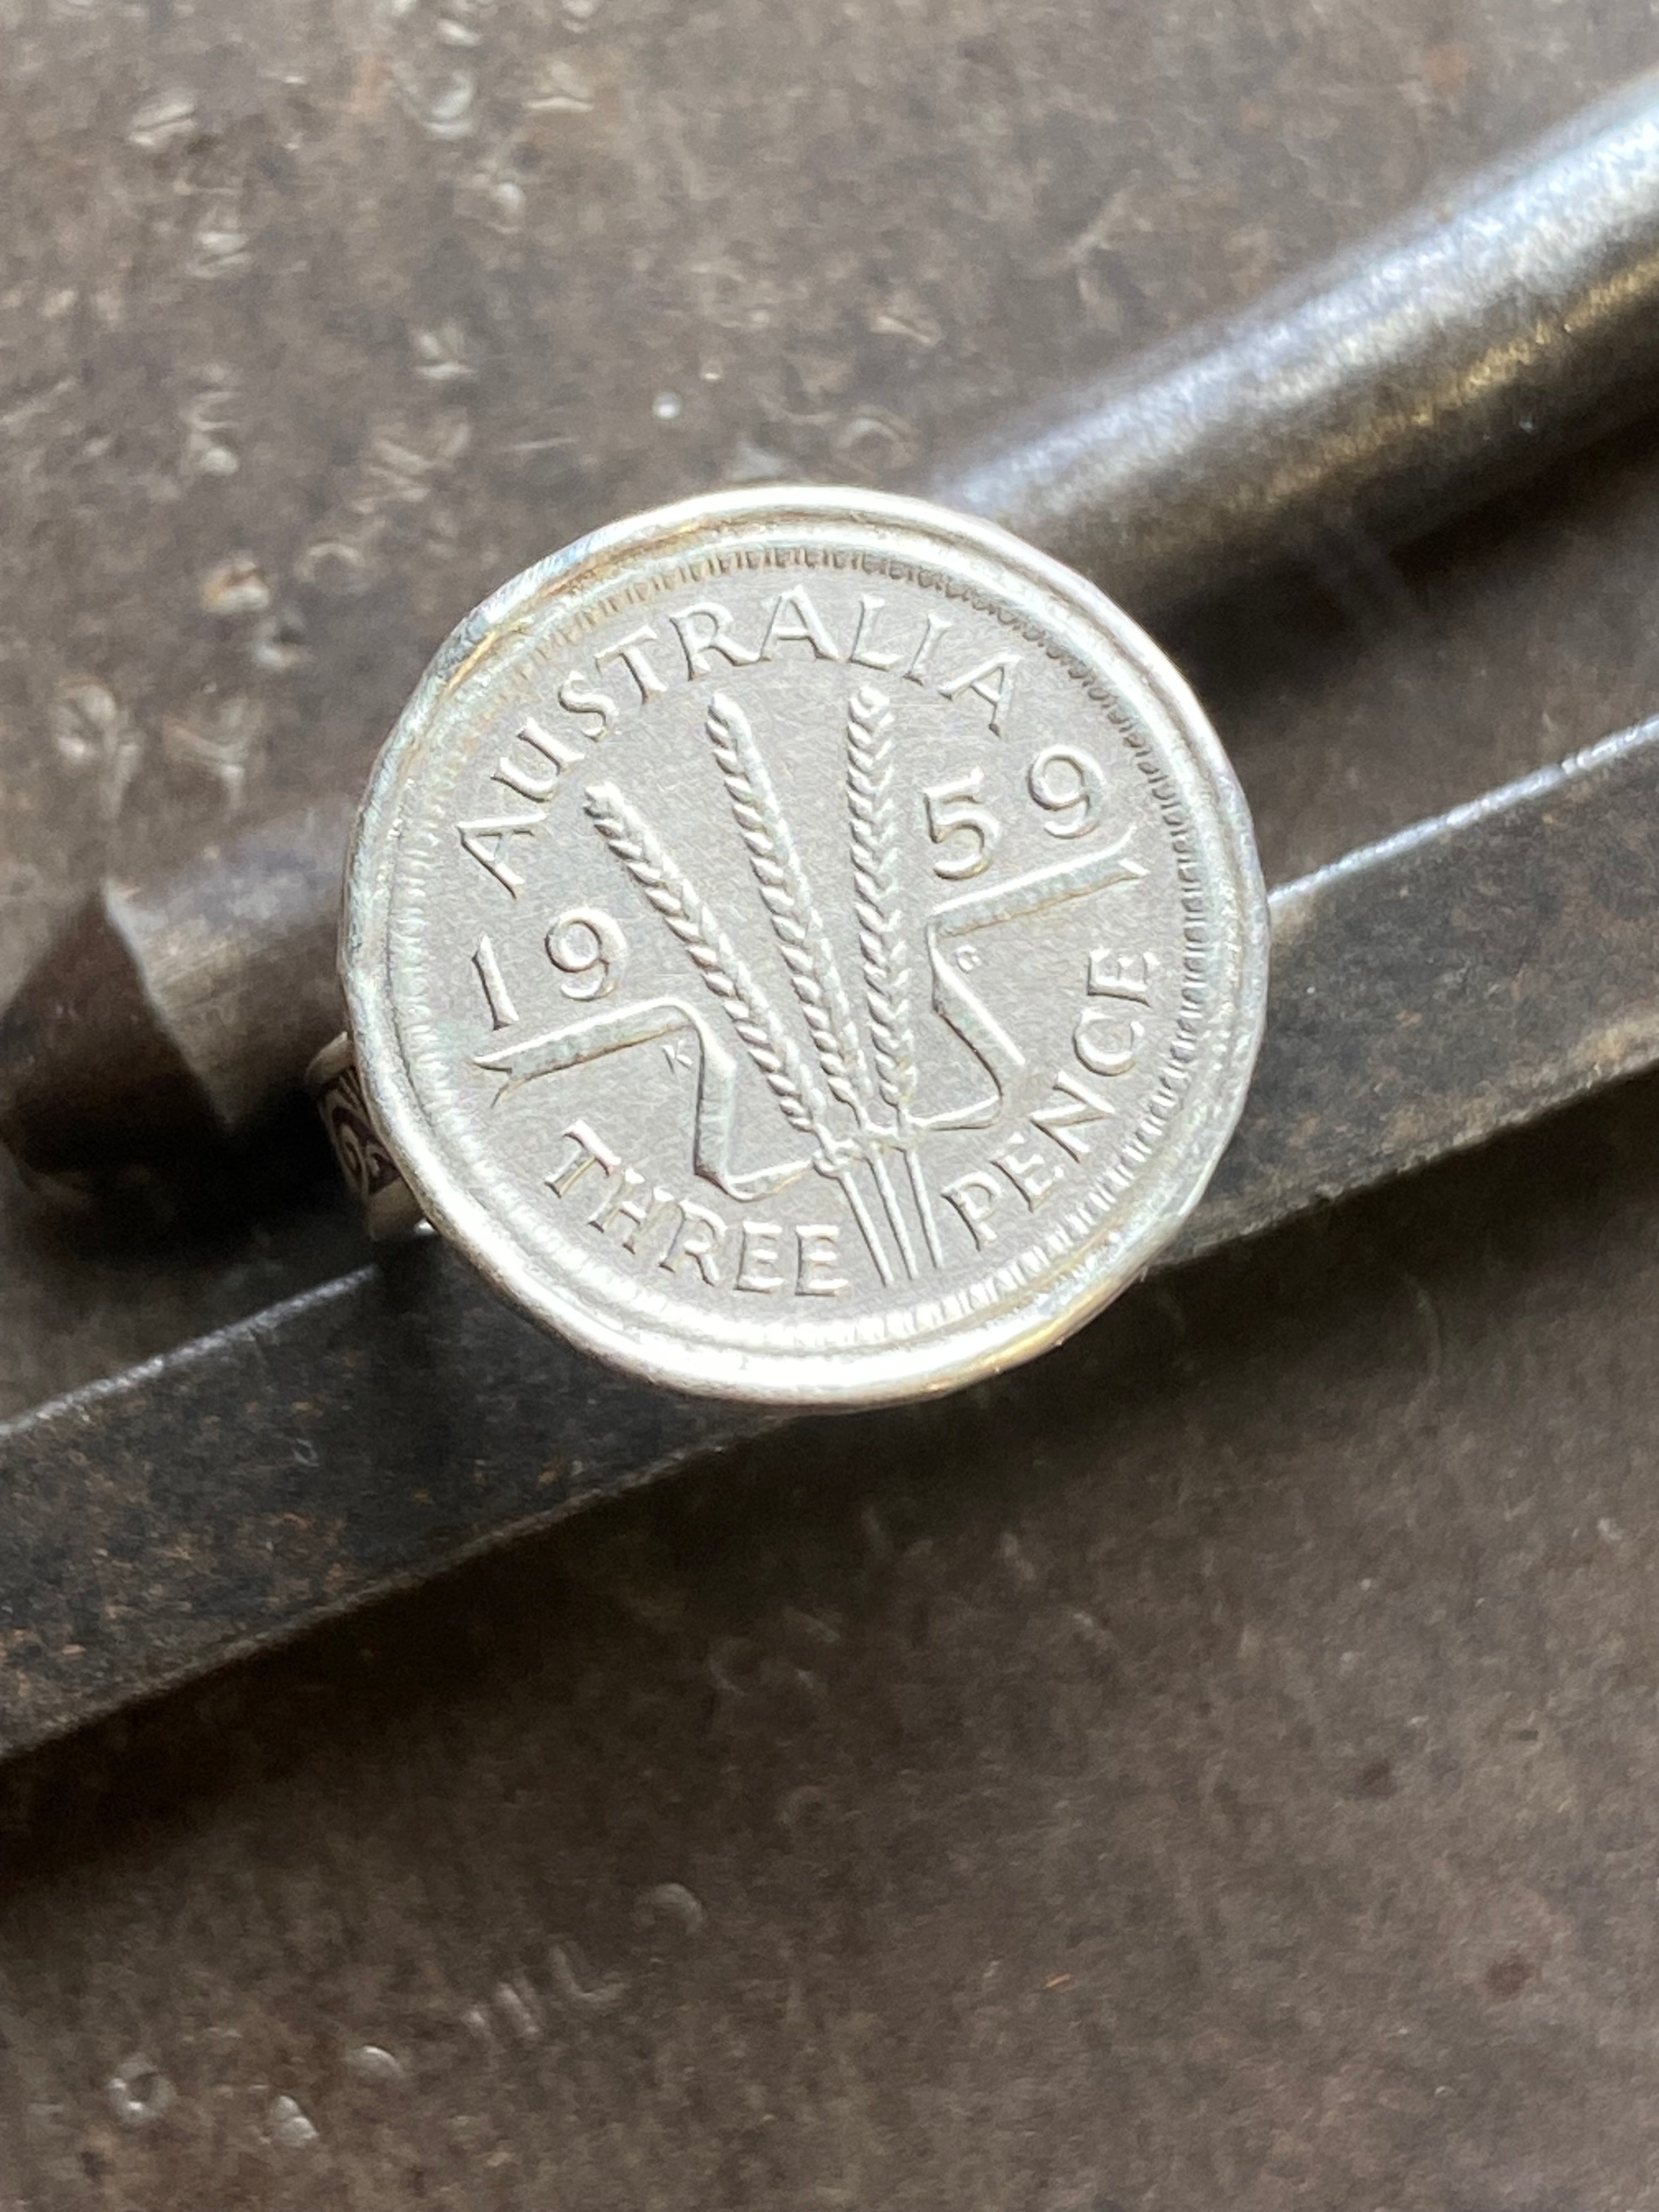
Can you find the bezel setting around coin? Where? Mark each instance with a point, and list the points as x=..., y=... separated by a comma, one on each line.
x=804, y=946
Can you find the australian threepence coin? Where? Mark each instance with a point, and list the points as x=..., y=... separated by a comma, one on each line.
x=802, y=945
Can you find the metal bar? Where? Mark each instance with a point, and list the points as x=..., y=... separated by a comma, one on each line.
x=1474, y=972
x=1506, y=320
x=1477, y=970
x=1514, y=315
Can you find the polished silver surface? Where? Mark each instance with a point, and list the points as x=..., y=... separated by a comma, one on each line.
x=805, y=947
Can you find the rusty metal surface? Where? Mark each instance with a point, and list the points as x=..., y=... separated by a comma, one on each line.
x=1246, y=1800
x=1426, y=993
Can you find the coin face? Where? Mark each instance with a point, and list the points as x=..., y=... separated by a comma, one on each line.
x=804, y=946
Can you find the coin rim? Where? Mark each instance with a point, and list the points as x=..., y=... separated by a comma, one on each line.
x=846, y=1377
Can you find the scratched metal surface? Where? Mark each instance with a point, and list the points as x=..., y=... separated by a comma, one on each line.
x=1243, y=1798
x=370, y=1433
x=1215, y=1767
x=315, y=322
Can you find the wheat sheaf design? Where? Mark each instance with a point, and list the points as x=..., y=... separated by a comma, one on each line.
x=855, y=1103
x=716, y=959
x=796, y=923
x=805, y=1104
x=853, y=1089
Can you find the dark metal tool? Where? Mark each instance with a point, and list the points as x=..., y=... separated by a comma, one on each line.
x=1465, y=977
x=1503, y=320
x=170, y=1014
x=1502, y=323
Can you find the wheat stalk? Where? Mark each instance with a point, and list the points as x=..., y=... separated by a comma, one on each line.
x=669, y=890
x=874, y=825
x=801, y=936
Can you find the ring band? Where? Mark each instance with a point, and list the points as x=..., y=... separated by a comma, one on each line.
x=390, y=1210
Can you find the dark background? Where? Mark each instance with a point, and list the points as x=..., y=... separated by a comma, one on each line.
x=1216, y=1766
